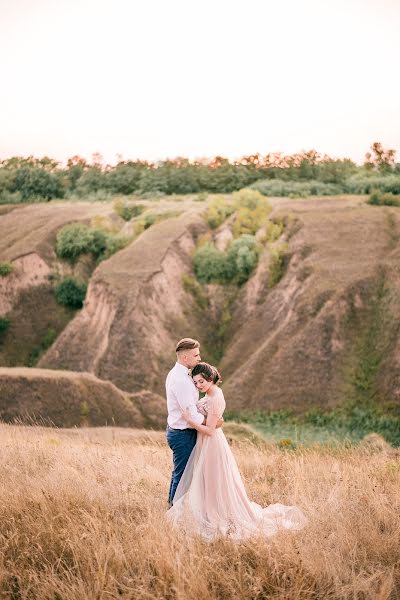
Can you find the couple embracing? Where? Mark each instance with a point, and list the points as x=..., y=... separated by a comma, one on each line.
x=207, y=495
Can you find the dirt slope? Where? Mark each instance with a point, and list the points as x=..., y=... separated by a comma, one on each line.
x=68, y=399
x=27, y=241
x=308, y=340
x=32, y=228
x=135, y=310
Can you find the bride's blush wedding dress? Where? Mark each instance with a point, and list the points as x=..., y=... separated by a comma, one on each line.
x=211, y=499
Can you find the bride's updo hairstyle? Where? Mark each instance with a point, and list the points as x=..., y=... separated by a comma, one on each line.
x=209, y=372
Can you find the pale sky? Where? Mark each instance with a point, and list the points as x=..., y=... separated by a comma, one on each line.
x=165, y=78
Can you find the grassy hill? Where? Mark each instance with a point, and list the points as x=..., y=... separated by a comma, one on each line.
x=67, y=399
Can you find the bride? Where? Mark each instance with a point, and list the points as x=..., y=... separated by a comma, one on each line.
x=210, y=498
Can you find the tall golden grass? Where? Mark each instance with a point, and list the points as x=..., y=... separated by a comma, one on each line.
x=82, y=517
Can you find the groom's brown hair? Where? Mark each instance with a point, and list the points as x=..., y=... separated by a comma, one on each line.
x=187, y=344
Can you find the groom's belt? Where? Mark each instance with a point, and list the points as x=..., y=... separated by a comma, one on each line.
x=184, y=429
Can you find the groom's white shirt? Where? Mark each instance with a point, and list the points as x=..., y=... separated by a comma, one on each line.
x=181, y=393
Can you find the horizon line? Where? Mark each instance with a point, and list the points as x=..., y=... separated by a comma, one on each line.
x=98, y=158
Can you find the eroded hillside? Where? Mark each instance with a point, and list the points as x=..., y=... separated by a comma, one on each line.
x=27, y=243
x=134, y=311
x=28, y=246
x=324, y=331
x=329, y=330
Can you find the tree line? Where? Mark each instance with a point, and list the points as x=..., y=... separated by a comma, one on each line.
x=27, y=179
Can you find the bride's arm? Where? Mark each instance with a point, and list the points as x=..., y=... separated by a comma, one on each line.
x=210, y=426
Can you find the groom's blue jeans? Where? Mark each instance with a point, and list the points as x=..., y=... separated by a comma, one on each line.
x=181, y=442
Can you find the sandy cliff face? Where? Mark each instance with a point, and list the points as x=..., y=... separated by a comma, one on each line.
x=306, y=341
x=135, y=310
x=29, y=270
x=27, y=241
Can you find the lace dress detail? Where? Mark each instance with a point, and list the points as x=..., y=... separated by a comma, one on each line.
x=211, y=499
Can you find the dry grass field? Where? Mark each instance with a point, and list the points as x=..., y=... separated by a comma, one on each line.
x=82, y=517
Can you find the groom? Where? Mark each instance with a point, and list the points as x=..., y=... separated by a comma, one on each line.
x=182, y=393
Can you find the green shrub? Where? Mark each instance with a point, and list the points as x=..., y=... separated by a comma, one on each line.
x=115, y=243
x=98, y=242
x=213, y=265
x=277, y=264
x=252, y=210
x=73, y=240
x=218, y=210
x=4, y=324
x=37, y=352
x=296, y=189
x=366, y=184
x=127, y=211
x=209, y=264
x=49, y=338
x=84, y=409
x=319, y=188
x=139, y=227
x=242, y=258
x=7, y=197
x=248, y=221
x=76, y=239
x=5, y=269
x=278, y=187
x=135, y=210
x=378, y=198
x=375, y=198
x=152, y=218
x=193, y=287
x=149, y=220
x=390, y=199
x=104, y=224
x=249, y=198
x=70, y=292
x=273, y=231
